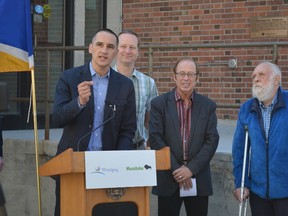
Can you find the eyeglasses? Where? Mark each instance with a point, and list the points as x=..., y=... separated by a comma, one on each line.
x=183, y=74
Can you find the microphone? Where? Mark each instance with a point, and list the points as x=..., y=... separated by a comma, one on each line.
x=113, y=108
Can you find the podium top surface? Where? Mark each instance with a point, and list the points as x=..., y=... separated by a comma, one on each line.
x=74, y=162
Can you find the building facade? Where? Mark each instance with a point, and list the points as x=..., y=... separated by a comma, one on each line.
x=226, y=38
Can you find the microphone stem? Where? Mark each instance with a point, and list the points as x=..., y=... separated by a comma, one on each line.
x=103, y=123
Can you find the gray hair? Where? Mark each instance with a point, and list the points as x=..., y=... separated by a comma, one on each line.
x=275, y=70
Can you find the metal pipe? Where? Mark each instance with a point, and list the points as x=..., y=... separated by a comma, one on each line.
x=150, y=61
x=169, y=46
x=47, y=95
x=222, y=45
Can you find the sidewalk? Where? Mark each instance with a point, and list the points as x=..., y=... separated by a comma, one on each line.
x=225, y=128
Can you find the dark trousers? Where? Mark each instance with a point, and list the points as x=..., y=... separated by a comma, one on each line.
x=264, y=207
x=2, y=197
x=170, y=206
x=57, y=196
x=2, y=203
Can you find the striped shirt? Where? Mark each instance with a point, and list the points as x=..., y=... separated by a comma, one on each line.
x=184, y=115
x=266, y=114
x=145, y=91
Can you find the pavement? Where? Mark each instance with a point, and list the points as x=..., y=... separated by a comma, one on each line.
x=225, y=128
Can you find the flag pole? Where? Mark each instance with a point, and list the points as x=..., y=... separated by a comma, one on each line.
x=36, y=141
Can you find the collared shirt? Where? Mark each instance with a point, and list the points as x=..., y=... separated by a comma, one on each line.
x=266, y=114
x=184, y=115
x=145, y=91
x=100, y=85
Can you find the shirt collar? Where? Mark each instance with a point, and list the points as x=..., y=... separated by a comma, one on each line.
x=134, y=73
x=178, y=96
x=94, y=73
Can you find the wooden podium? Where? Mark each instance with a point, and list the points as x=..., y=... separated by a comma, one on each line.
x=76, y=200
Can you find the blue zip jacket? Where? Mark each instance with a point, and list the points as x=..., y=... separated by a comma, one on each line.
x=267, y=164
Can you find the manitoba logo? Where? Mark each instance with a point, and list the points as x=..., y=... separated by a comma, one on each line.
x=147, y=167
x=139, y=168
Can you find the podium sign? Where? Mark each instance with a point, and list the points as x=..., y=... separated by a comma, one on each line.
x=71, y=168
x=113, y=169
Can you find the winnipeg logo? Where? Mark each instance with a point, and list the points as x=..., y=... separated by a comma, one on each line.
x=98, y=170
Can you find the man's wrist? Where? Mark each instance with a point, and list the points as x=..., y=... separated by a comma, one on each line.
x=79, y=104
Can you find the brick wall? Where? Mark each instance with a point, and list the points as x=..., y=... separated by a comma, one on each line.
x=196, y=22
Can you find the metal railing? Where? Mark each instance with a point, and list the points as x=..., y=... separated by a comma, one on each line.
x=150, y=48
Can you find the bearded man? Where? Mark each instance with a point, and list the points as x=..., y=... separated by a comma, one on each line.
x=265, y=116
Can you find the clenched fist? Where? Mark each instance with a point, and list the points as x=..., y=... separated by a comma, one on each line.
x=84, y=90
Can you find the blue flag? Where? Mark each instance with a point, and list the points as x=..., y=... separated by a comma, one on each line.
x=16, y=51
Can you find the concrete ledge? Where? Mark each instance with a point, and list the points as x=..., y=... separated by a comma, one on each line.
x=20, y=186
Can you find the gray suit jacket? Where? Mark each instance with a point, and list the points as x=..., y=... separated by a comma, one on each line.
x=164, y=131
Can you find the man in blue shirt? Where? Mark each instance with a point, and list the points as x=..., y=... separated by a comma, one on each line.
x=94, y=104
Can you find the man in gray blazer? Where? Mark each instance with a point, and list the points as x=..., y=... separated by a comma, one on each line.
x=94, y=104
x=186, y=122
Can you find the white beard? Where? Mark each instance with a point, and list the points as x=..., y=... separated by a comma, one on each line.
x=263, y=93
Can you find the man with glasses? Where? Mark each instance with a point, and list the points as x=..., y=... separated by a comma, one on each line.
x=186, y=122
